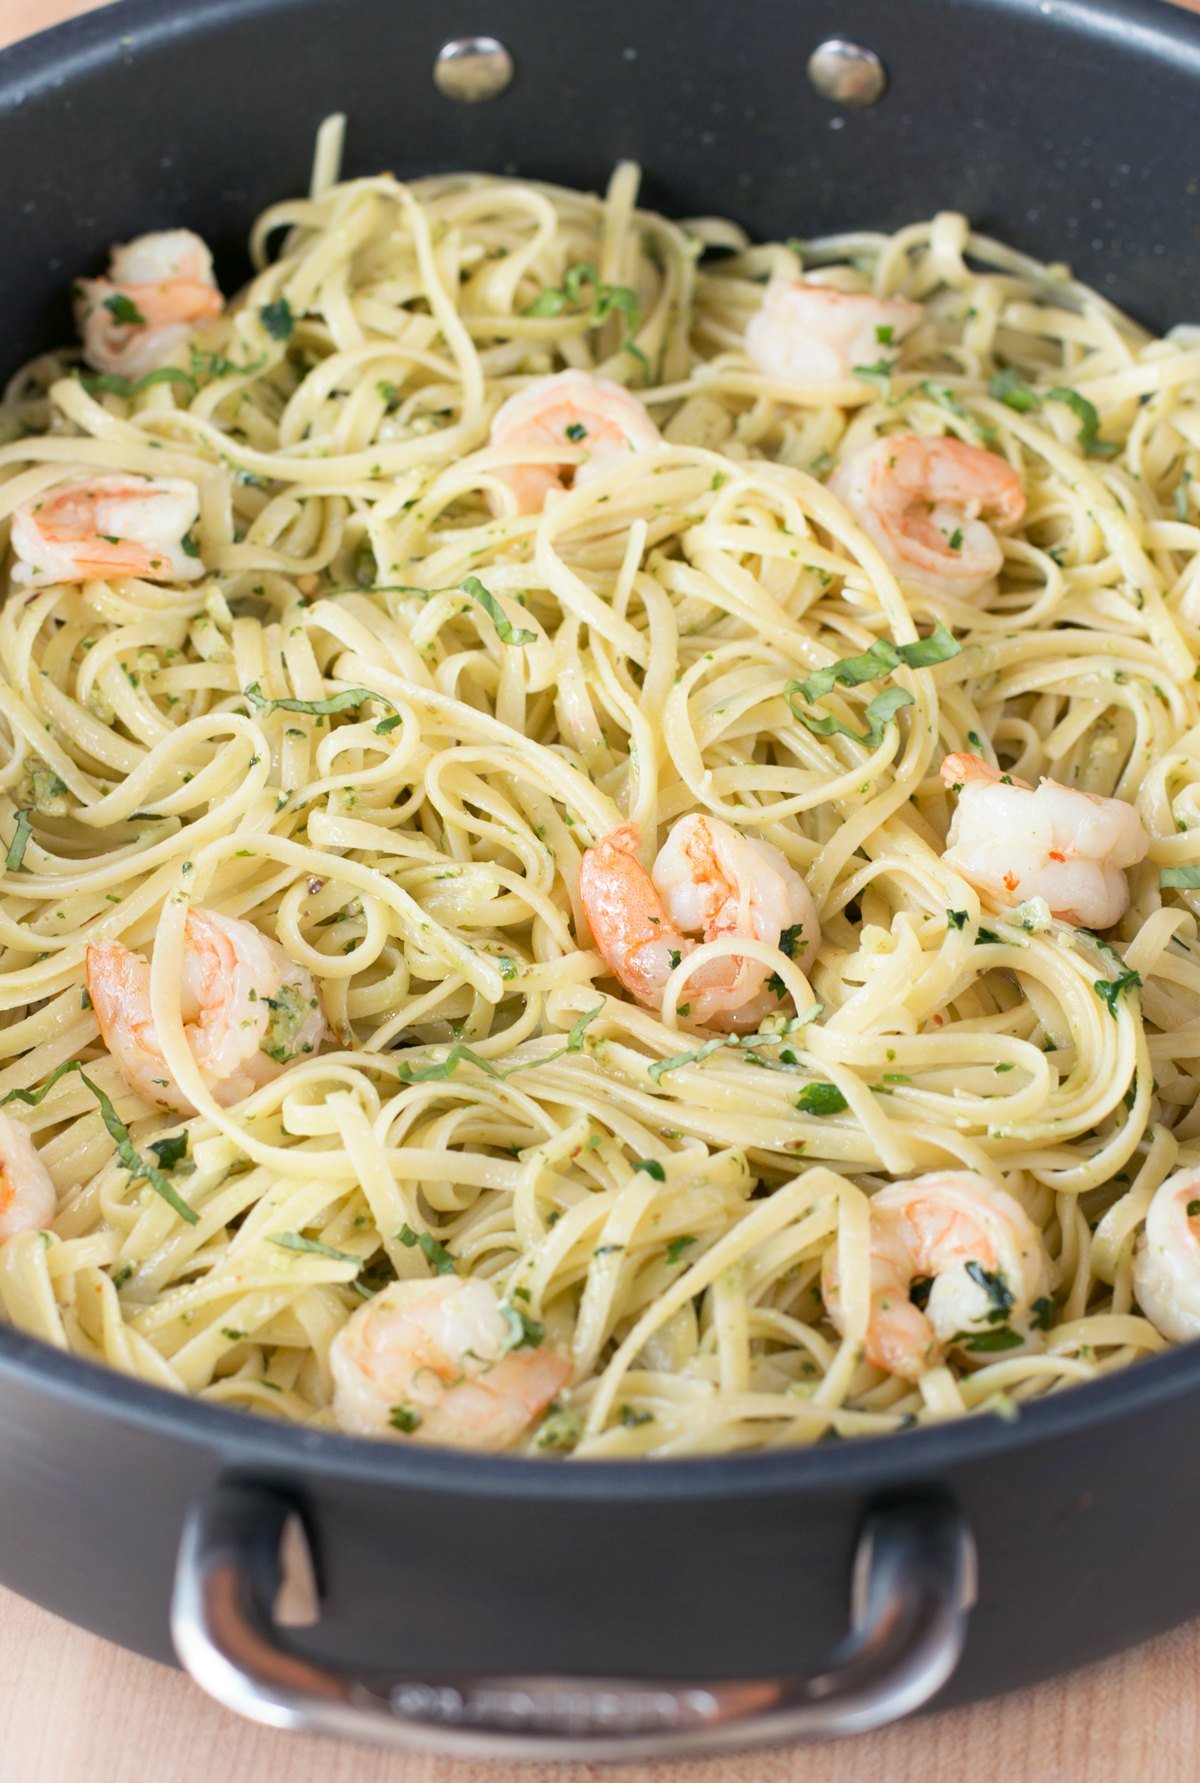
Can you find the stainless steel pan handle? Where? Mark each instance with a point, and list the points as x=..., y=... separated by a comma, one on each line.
x=913, y=1586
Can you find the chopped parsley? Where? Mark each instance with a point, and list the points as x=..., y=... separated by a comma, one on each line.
x=821, y=1098
x=405, y=1417
x=289, y=1007
x=677, y=1246
x=631, y=1418
x=559, y=1430
x=996, y=1288
x=957, y=919
x=171, y=1151
x=1003, y=1337
x=124, y=311
x=1109, y=989
x=278, y=320
x=652, y=1168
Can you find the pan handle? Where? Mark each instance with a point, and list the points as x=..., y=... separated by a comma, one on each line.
x=243, y=1549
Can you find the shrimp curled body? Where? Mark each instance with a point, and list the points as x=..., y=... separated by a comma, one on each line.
x=591, y=421
x=248, y=1010
x=706, y=877
x=921, y=501
x=1166, y=1265
x=1014, y=841
x=814, y=334
x=158, y=287
x=106, y=527
x=28, y=1199
x=435, y=1360
x=986, y=1258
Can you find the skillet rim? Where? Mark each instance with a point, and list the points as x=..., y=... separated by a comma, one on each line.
x=51, y=59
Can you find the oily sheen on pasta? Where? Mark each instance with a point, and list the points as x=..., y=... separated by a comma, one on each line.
x=388, y=694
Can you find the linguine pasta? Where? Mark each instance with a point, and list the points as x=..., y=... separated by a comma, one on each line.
x=390, y=717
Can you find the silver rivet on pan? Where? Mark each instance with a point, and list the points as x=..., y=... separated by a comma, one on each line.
x=469, y=69
x=847, y=73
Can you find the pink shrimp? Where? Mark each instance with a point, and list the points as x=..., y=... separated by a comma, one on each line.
x=106, y=527
x=248, y=1009
x=595, y=420
x=1014, y=841
x=1166, y=1267
x=28, y=1198
x=706, y=877
x=920, y=501
x=442, y=1361
x=157, y=288
x=987, y=1260
x=814, y=334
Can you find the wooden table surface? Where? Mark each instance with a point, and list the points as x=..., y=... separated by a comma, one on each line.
x=73, y=1707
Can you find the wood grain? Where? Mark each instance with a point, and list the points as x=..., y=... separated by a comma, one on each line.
x=73, y=1707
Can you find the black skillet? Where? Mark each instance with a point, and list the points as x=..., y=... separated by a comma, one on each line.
x=534, y=1607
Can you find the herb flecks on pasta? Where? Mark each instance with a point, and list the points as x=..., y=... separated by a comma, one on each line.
x=495, y=528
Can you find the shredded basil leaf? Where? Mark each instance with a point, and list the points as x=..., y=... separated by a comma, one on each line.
x=433, y=1252
x=111, y=383
x=137, y=1166
x=296, y=1241
x=746, y=1042
x=677, y=1246
x=346, y=701
x=460, y=1054
x=1010, y=388
x=505, y=630
x=523, y=1332
x=880, y=659
x=22, y=830
x=1179, y=878
x=879, y=714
